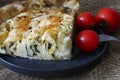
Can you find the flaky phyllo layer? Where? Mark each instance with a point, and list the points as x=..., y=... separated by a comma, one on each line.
x=44, y=34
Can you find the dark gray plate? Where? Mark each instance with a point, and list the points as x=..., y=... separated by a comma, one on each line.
x=48, y=69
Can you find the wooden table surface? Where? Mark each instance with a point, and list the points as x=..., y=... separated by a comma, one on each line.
x=107, y=69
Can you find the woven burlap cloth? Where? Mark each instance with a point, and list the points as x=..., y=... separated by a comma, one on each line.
x=109, y=66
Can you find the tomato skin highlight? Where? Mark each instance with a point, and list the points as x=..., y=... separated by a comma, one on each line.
x=110, y=18
x=87, y=40
x=86, y=20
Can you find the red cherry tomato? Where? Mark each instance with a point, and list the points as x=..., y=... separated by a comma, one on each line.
x=87, y=40
x=86, y=20
x=109, y=20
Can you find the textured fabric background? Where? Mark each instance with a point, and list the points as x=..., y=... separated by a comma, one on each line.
x=109, y=66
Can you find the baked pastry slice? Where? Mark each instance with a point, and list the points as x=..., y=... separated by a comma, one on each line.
x=44, y=33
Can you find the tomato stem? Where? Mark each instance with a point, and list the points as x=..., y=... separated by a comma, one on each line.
x=103, y=25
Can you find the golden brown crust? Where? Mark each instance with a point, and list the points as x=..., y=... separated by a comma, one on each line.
x=10, y=10
x=3, y=36
x=15, y=8
x=71, y=4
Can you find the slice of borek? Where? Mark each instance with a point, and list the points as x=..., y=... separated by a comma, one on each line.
x=45, y=34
